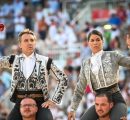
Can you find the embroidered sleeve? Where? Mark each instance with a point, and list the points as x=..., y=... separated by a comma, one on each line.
x=122, y=59
x=62, y=83
x=79, y=89
x=4, y=62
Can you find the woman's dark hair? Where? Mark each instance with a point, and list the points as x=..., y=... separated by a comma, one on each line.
x=95, y=32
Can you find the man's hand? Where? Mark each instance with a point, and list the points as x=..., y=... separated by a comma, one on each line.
x=48, y=104
x=71, y=115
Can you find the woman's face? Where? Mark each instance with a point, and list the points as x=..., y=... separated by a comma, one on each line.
x=95, y=43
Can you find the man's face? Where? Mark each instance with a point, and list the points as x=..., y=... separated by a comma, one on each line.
x=27, y=44
x=95, y=43
x=28, y=108
x=102, y=106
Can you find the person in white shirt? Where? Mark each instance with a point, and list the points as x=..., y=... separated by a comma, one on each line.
x=19, y=23
x=100, y=72
x=30, y=75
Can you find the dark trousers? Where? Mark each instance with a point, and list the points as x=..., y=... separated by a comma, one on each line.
x=119, y=110
x=42, y=114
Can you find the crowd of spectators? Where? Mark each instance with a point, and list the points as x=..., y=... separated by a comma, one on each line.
x=55, y=29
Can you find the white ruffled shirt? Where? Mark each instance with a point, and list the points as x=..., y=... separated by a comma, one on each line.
x=96, y=62
x=28, y=65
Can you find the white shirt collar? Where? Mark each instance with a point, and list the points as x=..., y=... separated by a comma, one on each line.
x=30, y=56
x=97, y=54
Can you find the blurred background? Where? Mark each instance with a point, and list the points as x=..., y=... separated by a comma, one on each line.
x=62, y=27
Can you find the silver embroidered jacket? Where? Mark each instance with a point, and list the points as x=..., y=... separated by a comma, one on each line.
x=42, y=76
x=110, y=62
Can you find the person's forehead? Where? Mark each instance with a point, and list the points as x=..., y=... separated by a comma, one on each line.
x=94, y=36
x=101, y=99
x=27, y=34
x=28, y=100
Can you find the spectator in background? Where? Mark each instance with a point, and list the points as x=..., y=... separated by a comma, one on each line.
x=15, y=49
x=114, y=20
x=53, y=5
x=85, y=50
x=71, y=36
x=42, y=28
x=89, y=98
x=3, y=48
x=63, y=16
x=28, y=109
x=115, y=33
x=6, y=78
x=52, y=31
x=60, y=38
x=107, y=36
x=126, y=95
x=27, y=13
x=18, y=6
x=19, y=23
x=37, y=17
x=3, y=112
x=2, y=88
x=10, y=25
x=121, y=13
x=36, y=2
x=128, y=15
